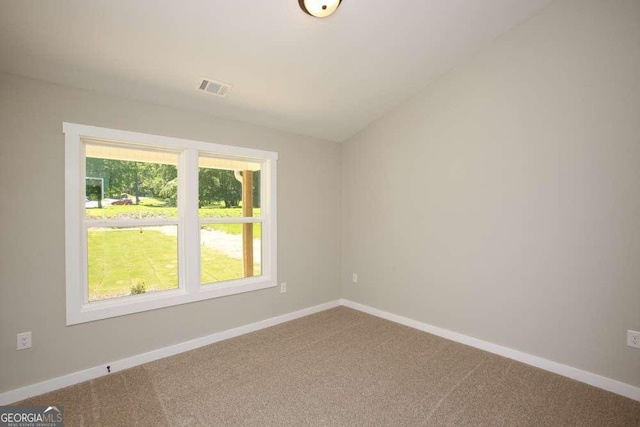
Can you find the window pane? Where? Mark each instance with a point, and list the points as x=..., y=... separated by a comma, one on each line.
x=222, y=251
x=221, y=184
x=129, y=261
x=125, y=183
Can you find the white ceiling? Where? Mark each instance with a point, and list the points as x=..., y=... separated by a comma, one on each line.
x=327, y=78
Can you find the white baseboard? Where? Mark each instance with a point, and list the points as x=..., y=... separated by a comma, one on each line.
x=16, y=395
x=595, y=380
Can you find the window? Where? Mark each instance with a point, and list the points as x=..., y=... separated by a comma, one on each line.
x=155, y=221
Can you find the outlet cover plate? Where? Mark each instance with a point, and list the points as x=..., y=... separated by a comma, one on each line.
x=633, y=339
x=24, y=341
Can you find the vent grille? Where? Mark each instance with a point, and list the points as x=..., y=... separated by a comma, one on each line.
x=215, y=88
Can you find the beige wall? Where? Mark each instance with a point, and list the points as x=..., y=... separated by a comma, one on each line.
x=32, y=288
x=504, y=201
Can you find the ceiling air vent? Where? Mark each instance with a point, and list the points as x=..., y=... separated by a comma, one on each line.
x=215, y=88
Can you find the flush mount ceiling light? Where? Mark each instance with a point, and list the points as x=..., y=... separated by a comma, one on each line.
x=319, y=8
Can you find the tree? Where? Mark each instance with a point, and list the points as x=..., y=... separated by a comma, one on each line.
x=169, y=191
x=217, y=185
x=118, y=175
x=256, y=189
x=230, y=189
x=209, y=182
x=137, y=178
x=159, y=181
x=93, y=190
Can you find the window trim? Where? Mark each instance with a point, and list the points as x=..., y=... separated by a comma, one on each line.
x=190, y=289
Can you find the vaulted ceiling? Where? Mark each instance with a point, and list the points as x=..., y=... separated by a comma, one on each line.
x=327, y=78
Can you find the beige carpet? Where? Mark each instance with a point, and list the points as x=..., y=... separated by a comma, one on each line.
x=339, y=367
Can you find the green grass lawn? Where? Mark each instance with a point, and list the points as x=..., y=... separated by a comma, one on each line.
x=120, y=259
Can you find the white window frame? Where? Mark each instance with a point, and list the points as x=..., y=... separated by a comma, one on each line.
x=79, y=310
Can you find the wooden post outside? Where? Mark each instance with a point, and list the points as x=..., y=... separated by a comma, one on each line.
x=247, y=228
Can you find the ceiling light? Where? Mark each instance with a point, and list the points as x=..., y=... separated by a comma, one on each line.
x=319, y=8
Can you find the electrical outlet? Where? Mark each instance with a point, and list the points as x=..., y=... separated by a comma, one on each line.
x=354, y=277
x=633, y=339
x=24, y=341
x=283, y=287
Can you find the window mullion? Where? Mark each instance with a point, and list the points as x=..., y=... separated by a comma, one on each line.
x=131, y=222
x=189, y=236
x=232, y=220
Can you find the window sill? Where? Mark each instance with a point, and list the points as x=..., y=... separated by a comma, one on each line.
x=138, y=303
